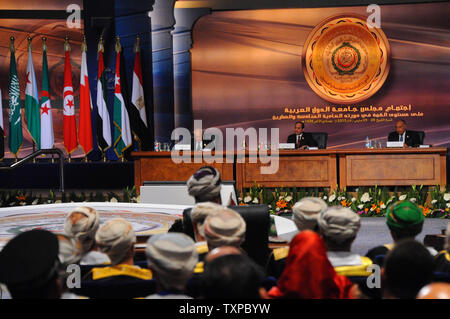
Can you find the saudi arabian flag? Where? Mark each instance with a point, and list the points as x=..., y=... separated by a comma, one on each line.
x=32, y=103
x=15, y=117
x=122, y=131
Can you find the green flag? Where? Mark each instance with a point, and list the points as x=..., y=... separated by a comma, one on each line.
x=15, y=117
x=32, y=113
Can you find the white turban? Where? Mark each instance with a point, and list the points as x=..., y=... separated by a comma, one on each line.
x=306, y=211
x=225, y=228
x=205, y=184
x=115, y=238
x=202, y=210
x=172, y=256
x=339, y=223
x=69, y=250
x=82, y=223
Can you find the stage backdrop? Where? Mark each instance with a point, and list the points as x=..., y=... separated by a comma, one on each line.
x=247, y=72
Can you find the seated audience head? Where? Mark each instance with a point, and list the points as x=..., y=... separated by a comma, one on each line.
x=407, y=268
x=205, y=185
x=400, y=126
x=232, y=276
x=308, y=274
x=198, y=215
x=436, y=290
x=69, y=253
x=116, y=239
x=29, y=266
x=306, y=211
x=82, y=223
x=338, y=227
x=222, y=251
x=404, y=219
x=172, y=258
x=225, y=228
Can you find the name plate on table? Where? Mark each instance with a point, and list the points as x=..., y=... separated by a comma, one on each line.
x=182, y=147
x=312, y=148
x=394, y=144
x=424, y=146
x=286, y=146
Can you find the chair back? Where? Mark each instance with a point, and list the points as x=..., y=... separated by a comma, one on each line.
x=321, y=138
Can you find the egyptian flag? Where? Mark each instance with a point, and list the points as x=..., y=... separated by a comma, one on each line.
x=47, y=135
x=2, y=130
x=85, y=129
x=137, y=111
x=103, y=120
x=69, y=125
x=122, y=131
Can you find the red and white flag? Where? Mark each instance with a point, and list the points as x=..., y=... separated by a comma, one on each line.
x=85, y=129
x=137, y=96
x=69, y=125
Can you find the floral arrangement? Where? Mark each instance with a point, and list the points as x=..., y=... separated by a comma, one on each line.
x=18, y=197
x=365, y=201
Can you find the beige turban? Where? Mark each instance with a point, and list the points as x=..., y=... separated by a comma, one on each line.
x=69, y=250
x=82, y=223
x=339, y=223
x=173, y=257
x=306, y=211
x=202, y=210
x=115, y=238
x=205, y=184
x=225, y=228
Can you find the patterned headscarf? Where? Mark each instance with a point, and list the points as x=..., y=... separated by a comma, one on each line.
x=205, y=184
x=82, y=223
x=306, y=211
x=339, y=223
x=224, y=228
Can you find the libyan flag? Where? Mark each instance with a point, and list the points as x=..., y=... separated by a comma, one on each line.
x=15, y=116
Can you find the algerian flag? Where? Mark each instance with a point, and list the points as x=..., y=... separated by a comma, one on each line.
x=32, y=115
x=47, y=135
x=15, y=116
x=122, y=131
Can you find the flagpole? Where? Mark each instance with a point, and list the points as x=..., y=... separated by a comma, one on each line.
x=32, y=141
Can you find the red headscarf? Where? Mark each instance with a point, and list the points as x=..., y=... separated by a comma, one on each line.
x=308, y=273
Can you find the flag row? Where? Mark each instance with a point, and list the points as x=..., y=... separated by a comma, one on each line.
x=129, y=114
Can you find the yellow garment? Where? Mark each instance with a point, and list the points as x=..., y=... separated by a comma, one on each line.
x=280, y=253
x=199, y=267
x=445, y=253
x=121, y=270
x=389, y=246
x=360, y=270
x=202, y=249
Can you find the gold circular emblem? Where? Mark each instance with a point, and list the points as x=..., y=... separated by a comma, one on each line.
x=344, y=61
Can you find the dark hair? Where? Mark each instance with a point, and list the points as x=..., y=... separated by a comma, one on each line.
x=408, y=268
x=303, y=124
x=401, y=120
x=48, y=290
x=232, y=276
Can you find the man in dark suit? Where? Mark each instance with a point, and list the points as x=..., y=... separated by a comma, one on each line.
x=198, y=143
x=301, y=139
x=401, y=134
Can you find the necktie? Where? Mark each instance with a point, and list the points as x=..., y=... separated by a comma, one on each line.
x=401, y=138
x=298, y=140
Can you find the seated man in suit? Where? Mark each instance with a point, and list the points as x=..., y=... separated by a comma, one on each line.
x=401, y=134
x=301, y=139
x=198, y=143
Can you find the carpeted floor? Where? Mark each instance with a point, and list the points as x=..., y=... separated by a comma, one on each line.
x=374, y=232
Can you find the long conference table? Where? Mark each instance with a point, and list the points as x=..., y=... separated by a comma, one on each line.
x=304, y=168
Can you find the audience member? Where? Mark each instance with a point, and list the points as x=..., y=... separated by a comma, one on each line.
x=436, y=290
x=442, y=260
x=306, y=211
x=338, y=228
x=172, y=258
x=29, y=266
x=232, y=276
x=205, y=185
x=82, y=224
x=308, y=273
x=404, y=220
x=408, y=267
x=224, y=228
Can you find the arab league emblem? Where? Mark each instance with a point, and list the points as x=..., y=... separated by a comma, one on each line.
x=344, y=61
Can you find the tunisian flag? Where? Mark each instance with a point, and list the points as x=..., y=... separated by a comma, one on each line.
x=85, y=129
x=69, y=125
